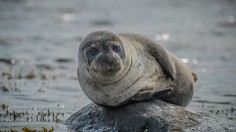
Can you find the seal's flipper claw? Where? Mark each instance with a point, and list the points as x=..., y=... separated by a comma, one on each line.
x=161, y=93
x=144, y=95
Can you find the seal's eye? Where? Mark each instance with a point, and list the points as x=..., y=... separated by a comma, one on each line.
x=93, y=51
x=115, y=48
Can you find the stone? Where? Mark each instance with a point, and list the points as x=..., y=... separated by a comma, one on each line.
x=146, y=116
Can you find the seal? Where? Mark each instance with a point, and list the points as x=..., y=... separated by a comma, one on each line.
x=114, y=69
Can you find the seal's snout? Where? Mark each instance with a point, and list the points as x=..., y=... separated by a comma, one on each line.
x=107, y=65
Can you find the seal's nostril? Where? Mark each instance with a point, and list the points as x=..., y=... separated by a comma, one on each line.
x=109, y=60
x=110, y=70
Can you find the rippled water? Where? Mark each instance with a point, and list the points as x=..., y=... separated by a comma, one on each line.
x=39, y=42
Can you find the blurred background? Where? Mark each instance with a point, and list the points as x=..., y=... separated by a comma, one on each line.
x=39, y=40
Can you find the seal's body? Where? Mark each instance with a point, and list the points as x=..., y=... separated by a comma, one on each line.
x=115, y=69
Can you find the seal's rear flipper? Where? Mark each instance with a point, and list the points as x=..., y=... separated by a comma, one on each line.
x=162, y=93
x=194, y=76
x=143, y=95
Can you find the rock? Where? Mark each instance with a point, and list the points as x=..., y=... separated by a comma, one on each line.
x=145, y=116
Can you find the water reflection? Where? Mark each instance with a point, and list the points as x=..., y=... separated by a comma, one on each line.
x=12, y=61
x=162, y=37
x=216, y=8
x=231, y=19
x=187, y=60
x=68, y=17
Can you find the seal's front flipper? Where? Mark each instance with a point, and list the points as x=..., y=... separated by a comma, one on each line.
x=160, y=54
x=157, y=51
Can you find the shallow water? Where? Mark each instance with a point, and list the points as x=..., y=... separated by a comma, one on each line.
x=39, y=42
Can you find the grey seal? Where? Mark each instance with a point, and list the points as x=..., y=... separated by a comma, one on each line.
x=114, y=69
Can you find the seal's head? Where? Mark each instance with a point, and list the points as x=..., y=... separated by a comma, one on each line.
x=103, y=53
x=104, y=60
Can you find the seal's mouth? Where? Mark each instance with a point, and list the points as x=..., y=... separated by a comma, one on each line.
x=107, y=65
x=107, y=70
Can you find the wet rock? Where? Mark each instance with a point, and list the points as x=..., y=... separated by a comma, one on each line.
x=63, y=60
x=102, y=23
x=146, y=116
x=44, y=66
x=7, y=61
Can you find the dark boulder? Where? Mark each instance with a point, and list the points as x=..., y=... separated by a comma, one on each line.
x=145, y=116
